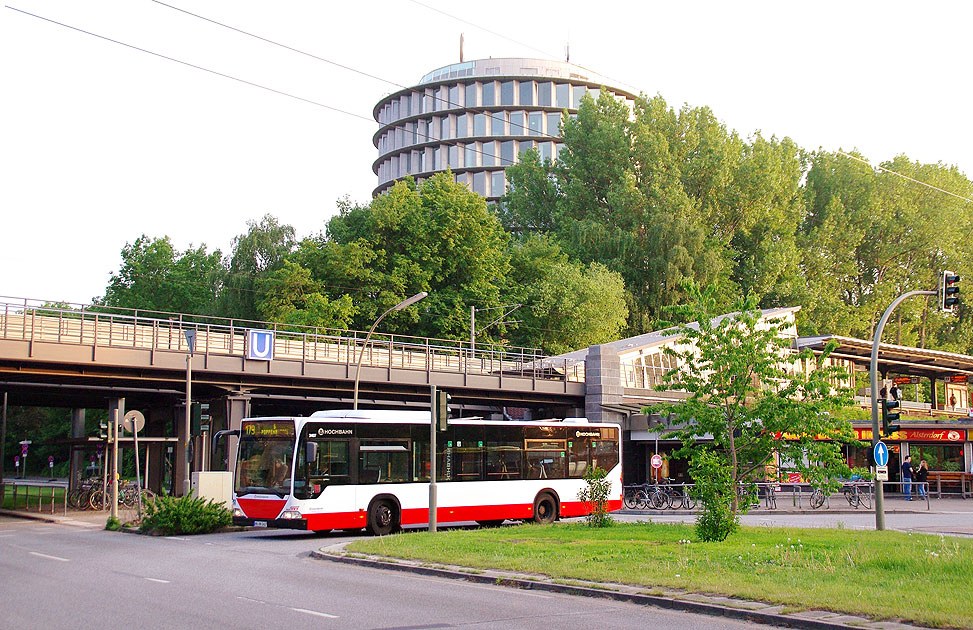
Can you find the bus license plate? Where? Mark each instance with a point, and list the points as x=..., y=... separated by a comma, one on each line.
x=260, y=523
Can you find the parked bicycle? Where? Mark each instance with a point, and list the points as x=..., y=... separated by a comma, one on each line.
x=857, y=494
x=817, y=498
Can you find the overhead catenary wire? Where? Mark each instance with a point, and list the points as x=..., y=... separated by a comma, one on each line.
x=882, y=168
x=244, y=81
x=474, y=109
x=446, y=102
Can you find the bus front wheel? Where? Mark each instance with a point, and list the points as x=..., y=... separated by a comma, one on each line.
x=383, y=518
x=545, y=509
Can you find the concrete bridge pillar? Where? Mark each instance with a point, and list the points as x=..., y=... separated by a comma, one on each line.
x=603, y=384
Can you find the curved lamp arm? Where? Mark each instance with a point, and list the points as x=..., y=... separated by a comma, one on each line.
x=398, y=307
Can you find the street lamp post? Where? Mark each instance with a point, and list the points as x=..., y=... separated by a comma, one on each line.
x=190, y=334
x=398, y=307
x=873, y=368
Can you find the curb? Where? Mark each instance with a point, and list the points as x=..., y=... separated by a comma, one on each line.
x=336, y=553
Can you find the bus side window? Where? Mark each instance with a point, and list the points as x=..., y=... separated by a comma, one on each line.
x=577, y=457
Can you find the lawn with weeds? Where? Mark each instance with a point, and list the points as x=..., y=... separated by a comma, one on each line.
x=915, y=577
x=28, y=496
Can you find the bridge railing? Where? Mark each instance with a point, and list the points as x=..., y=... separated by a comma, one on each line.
x=98, y=326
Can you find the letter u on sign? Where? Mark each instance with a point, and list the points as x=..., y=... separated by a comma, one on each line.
x=260, y=345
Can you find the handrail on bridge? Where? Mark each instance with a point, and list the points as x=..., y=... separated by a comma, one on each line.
x=25, y=319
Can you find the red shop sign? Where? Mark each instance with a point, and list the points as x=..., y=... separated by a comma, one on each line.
x=918, y=435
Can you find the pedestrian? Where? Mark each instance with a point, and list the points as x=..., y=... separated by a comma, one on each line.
x=922, y=476
x=894, y=391
x=952, y=401
x=907, y=478
x=884, y=392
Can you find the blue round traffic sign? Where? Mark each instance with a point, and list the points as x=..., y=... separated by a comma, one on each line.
x=881, y=454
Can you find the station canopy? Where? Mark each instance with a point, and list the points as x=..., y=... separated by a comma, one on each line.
x=893, y=359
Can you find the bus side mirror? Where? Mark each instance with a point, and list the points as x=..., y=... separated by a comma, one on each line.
x=311, y=454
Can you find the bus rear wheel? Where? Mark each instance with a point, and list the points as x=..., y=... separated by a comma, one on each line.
x=545, y=509
x=383, y=518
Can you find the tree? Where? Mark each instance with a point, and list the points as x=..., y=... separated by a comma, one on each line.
x=566, y=305
x=154, y=276
x=290, y=296
x=437, y=237
x=745, y=391
x=262, y=250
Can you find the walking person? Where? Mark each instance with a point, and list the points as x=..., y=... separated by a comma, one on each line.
x=907, y=478
x=894, y=392
x=921, y=479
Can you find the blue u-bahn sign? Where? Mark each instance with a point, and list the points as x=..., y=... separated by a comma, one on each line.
x=881, y=454
x=260, y=345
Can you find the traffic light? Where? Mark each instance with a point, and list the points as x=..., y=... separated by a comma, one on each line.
x=442, y=410
x=195, y=418
x=948, y=291
x=103, y=430
x=890, y=414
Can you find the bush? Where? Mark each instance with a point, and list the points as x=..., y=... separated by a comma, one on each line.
x=595, y=497
x=714, y=490
x=184, y=515
x=112, y=524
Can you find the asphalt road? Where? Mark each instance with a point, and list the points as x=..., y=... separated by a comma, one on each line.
x=72, y=576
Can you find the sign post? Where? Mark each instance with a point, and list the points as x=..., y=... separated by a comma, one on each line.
x=50, y=465
x=24, y=444
x=656, y=465
x=134, y=421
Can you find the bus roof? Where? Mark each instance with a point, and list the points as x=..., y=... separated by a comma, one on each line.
x=414, y=417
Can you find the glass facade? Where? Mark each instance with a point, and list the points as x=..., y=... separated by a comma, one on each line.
x=478, y=121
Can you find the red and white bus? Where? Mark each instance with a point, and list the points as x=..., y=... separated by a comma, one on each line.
x=354, y=469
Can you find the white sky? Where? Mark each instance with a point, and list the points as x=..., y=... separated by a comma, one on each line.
x=102, y=143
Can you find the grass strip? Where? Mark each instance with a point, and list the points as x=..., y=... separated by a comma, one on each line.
x=28, y=496
x=919, y=578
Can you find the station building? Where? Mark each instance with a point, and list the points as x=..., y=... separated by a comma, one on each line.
x=936, y=422
x=475, y=118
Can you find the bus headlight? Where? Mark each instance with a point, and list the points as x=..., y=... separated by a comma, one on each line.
x=291, y=514
x=238, y=513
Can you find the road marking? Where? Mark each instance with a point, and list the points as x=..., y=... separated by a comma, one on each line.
x=157, y=580
x=175, y=538
x=44, y=555
x=314, y=612
x=6, y=535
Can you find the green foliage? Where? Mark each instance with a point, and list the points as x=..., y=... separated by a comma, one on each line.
x=714, y=489
x=567, y=305
x=184, y=515
x=735, y=370
x=595, y=496
x=154, y=276
x=290, y=296
x=113, y=524
x=437, y=237
x=261, y=251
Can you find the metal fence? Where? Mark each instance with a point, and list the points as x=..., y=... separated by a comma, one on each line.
x=98, y=326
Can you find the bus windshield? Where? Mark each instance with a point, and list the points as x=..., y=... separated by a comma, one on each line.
x=264, y=466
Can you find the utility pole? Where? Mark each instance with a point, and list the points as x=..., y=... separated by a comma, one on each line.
x=879, y=485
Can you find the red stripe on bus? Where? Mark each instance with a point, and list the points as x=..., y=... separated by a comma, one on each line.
x=261, y=508
x=417, y=516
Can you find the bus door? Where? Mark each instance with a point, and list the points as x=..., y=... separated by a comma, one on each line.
x=324, y=473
